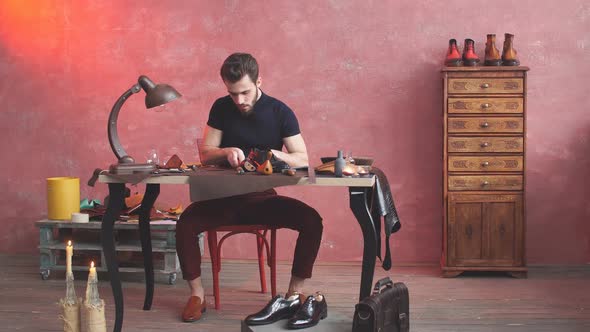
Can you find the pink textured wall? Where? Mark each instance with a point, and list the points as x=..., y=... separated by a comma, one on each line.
x=361, y=75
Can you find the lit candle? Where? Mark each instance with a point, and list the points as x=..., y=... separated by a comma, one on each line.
x=69, y=254
x=92, y=274
x=92, y=297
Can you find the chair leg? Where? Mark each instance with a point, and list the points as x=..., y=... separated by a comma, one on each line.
x=273, y=262
x=215, y=265
x=260, y=247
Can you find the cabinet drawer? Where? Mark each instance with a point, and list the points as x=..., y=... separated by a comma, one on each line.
x=485, y=164
x=485, y=85
x=486, y=125
x=485, y=182
x=485, y=105
x=485, y=144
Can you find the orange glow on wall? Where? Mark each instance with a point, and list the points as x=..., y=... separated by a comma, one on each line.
x=32, y=28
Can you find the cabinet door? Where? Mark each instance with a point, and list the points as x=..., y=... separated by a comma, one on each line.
x=505, y=228
x=484, y=230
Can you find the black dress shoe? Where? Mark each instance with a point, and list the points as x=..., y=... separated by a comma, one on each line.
x=278, y=308
x=310, y=313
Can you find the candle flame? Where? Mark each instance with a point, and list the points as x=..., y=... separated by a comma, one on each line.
x=69, y=243
x=91, y=264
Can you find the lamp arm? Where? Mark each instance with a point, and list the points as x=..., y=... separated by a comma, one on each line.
x=112, y=127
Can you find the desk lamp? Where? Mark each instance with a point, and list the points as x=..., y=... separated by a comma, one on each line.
x=155, y=95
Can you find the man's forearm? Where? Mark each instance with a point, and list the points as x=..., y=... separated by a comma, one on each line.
x=213, y=156
x=220, y=156
x=295, y=159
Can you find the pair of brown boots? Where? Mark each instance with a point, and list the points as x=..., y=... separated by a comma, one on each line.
x=492, y=55
x=508, y=58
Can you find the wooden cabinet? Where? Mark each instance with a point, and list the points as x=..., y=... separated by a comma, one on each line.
x=484, y=169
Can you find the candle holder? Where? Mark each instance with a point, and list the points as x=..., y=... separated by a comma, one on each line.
x=92, y=311
x=71, y=298
x=70, y=306
x=92, y=297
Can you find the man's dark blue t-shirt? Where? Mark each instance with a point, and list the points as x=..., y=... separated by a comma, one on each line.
x=269, y=122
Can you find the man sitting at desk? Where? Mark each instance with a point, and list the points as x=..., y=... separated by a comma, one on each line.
x=245, y=119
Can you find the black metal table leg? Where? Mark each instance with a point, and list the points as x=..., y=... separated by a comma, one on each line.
x=152, y=191
x=116, y=199
x=360, y=209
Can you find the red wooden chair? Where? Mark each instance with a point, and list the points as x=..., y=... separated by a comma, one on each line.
x=261, y=243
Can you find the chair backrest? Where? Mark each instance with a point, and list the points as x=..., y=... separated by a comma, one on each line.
x=241, y=228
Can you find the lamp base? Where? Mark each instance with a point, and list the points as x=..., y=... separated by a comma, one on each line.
x=132, y=168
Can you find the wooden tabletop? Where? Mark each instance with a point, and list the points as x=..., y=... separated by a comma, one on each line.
x=229, y=175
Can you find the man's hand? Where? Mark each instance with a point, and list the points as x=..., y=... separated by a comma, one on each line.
x=211, y=154
x=234, y=156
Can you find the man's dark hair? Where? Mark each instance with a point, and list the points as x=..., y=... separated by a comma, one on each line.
x=237, y=66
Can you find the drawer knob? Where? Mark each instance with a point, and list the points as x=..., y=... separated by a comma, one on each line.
x=485, y=144
x=485, y=86
x=485, y=125
x=486, y=105
x=485, y=164
x=485, y=183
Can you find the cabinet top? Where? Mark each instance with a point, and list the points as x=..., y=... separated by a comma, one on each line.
x=485, y=68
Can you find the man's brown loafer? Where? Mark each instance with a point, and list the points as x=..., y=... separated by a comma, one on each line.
x=194, y=309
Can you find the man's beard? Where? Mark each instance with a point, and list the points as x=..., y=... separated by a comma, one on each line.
x=250, y=112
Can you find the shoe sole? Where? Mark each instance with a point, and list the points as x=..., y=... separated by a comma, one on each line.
x=194, y=320
x=298, y=327
x=454, y=63
x=269, y=322
x=470, y=63
x=510, y=62
x=493, y=62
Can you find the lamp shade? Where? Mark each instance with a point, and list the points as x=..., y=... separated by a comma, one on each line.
x=156, y=95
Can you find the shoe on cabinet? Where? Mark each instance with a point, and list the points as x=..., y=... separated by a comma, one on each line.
x=509, y=53
x=469, y=56
x=453, y=58
x=492, y=56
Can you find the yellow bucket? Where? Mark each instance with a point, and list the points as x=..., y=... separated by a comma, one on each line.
x=63, y=197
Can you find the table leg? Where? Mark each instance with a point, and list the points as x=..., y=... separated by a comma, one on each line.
x=116, y=199
x=152, y=191
x=360, y=209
